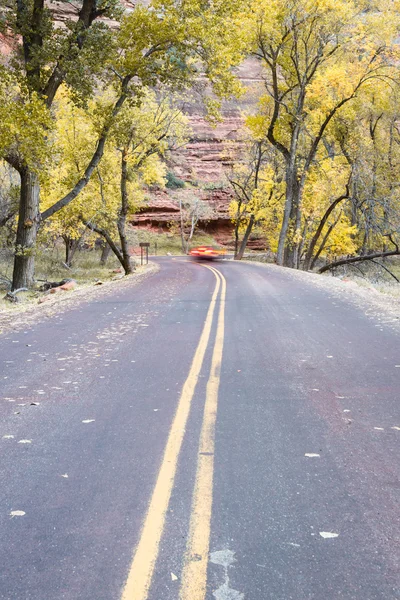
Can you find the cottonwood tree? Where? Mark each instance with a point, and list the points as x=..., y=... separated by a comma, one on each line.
x=143, y=137
x=133, y=159
x=318, y=56
x=371, y=146
x=75, y=134
x=162, y=43
x=43, y=55
x=192, y=211
x=256, y=181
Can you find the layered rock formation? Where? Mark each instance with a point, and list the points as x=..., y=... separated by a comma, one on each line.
x=203, y=163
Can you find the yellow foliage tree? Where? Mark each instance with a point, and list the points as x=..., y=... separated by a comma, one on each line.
x=318, y=56
x=132, y=161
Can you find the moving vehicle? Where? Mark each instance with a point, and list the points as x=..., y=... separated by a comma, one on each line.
x=205, y=253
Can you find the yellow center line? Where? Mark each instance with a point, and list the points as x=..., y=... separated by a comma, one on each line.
x=144, y=559
x=194, y=574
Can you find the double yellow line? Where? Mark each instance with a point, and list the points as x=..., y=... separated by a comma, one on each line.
x=194, y=573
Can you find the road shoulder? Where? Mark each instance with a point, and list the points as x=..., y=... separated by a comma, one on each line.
x=22, y=315
x=366, y=297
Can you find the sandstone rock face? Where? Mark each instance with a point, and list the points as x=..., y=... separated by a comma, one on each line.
x=203, y=163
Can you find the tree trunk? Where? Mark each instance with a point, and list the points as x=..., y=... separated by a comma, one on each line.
x=128, y=268
x=321, y=225
x=245, y=239
x=183, y=241
x=237, y=225
x=28, y=224
x=192, y=228
x=105, y=253
x=71, y=246
x=286, y=254
x=323, y=243
x=292, y=246
x=68, y=247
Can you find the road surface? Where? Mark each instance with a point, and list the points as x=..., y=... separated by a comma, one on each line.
x=223, y=431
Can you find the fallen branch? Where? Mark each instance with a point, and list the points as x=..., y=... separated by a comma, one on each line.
x=12, y=296
x=386, y=269
x=48, y=285
x=355, y=259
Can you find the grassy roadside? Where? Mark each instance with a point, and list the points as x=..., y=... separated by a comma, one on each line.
x=86, y=265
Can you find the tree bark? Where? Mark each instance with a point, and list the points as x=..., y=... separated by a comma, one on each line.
x=121, y=224
x=108, y=239
x=320, y=227
x=323, y=244
x=183, y=241
x=245, y=239
x=28, y=224
x=105, y=253
x=285, y=254
x=71, y=246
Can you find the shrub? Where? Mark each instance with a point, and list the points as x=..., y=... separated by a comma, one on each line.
x=173, y=182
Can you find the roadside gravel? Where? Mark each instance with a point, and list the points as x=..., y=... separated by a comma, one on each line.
x=379, y=302
x=25, y=314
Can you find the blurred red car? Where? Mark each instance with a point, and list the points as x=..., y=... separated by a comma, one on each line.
x=205, y=252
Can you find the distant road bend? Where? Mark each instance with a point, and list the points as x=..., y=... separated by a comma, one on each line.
x=225, y=431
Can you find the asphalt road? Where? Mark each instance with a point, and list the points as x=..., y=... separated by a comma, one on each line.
x=229, y=435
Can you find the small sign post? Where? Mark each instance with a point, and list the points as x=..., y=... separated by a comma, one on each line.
x=144, y=252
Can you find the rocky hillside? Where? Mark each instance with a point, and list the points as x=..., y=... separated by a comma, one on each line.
x=203, y=162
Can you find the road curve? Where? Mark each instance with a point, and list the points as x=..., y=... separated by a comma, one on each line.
x=227, y=433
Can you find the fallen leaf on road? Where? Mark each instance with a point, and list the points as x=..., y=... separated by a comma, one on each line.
x=328, y=534
x=17, y=513
x=224, y=558
x=310, y=455
x=173, y=577
x=88, y=421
